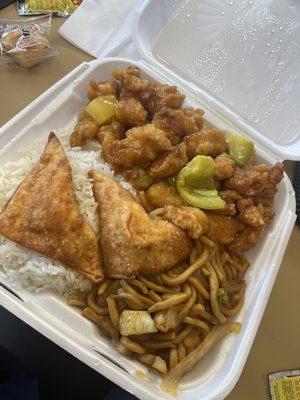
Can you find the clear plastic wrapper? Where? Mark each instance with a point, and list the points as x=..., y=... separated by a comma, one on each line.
x=25, y=42
x=61, y=8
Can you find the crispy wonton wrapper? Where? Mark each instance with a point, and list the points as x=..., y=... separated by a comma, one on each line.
x=132, y=242
x=43, y=215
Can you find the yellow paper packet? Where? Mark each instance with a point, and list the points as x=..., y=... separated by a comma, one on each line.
x=58, y=7
x=285, y=385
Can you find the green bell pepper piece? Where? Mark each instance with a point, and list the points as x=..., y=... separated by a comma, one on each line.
x=240, y=149
x=195, y=184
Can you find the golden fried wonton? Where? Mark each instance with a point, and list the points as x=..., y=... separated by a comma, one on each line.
x=43, y=215
x=132, y=242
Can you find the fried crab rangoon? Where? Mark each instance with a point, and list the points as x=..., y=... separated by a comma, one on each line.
x=132, y=242
x=43, y=215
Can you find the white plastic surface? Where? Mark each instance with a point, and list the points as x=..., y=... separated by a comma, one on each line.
x=216, y=375
x=244, y=54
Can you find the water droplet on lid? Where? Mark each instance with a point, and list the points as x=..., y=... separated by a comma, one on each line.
x=268, y=44
x=281, y=27
x=223, y=13
x=273, y=51
x=250, y=2
x=263, y=99
x=188, y=16
x=280, y=40
x=276, y=80
x=230, y=3
x=273, y=30
x=265, y=52
x=280, y=63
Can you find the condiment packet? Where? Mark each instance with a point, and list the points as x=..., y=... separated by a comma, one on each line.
x=285, y=385
x=61, y=8
x=25, y=42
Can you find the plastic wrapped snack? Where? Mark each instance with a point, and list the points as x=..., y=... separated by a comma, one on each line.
x=25, y=42
x=61, y=8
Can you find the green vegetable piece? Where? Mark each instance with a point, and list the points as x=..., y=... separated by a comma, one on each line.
x=172, y=180
x=195, y=184
x=142, y=181
x=240, y=149
x=102, y=109
x=222, y=297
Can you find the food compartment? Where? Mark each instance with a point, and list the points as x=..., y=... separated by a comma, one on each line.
x=216, y=374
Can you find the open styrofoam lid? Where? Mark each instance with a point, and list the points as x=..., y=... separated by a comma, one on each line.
x=245, y=53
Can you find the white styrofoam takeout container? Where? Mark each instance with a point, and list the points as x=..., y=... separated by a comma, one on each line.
x=57, y=109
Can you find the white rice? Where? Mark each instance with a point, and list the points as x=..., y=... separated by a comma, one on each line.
x=29, y=270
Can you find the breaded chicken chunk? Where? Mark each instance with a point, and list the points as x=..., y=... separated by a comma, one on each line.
x=177, y=123
x=257, y=180
x=84, y=129
x=140, y=147
x=246, y=239
x=208, y=143
x=222, y=229
x=224, y=167
x=153, y=96
x=267, y=196
x=161, y=194
x=130, y=113
x=159, y=95
x=194, y=221
x=101, y=88
x=114, y=128
x=249, y=181
x=170, y=162
x=249, y=213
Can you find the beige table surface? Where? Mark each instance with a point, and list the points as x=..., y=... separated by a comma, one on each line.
x=277, y=343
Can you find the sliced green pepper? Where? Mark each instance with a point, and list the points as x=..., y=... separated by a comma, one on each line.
x=195, y=184
x=240, y=149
